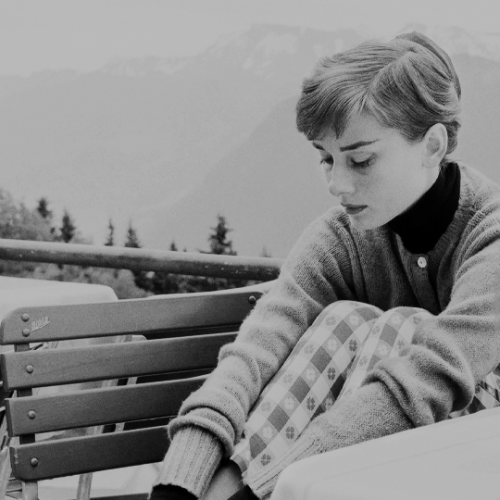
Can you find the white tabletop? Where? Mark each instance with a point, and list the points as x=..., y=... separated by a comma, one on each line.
x=20, y=292
x=457, y=460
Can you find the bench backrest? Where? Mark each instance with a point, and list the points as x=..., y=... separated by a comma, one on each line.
x=184, y=335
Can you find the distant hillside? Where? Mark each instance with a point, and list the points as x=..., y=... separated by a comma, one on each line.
x=105, y=145
x=170, y=142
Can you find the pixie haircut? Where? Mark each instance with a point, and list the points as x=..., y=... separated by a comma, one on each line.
x=408, y=84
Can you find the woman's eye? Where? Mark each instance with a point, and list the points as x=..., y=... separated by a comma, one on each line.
x=363, y=163
x=328, y=160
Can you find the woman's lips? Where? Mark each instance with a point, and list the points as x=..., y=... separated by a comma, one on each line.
x=354, y=209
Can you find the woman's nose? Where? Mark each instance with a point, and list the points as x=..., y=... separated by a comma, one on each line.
x=339, y=181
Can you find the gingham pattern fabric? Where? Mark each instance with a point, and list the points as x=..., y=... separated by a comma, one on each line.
x=330, y=361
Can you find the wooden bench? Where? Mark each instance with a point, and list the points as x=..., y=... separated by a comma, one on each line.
x=123, y=424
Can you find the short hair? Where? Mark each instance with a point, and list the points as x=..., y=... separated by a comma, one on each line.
x=408, y=83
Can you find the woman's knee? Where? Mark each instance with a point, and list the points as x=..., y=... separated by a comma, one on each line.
x=399, y=324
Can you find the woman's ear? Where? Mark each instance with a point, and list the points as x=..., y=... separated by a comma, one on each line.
x=436, y=145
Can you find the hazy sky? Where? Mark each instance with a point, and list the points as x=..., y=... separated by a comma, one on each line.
x=85, y=34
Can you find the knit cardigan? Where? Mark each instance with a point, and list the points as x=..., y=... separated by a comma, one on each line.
x=458, y=281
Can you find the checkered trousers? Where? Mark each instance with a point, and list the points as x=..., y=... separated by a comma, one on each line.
x=330, y=361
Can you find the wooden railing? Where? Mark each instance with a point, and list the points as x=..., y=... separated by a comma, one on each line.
x=140, y=259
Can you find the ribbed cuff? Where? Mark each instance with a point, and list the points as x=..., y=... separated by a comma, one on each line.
x=191, y=461
x=212, y=421
x=263, y=484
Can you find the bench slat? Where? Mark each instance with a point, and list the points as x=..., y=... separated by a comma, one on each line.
x=109, y=361
x=65, y=457
x=132, y=316
x=85, y=408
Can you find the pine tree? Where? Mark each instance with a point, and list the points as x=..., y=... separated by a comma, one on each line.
x=68, y=228
x=219, y=244
x=43, y=209
x=111, y=234
x=132, y=240
x=47, y=215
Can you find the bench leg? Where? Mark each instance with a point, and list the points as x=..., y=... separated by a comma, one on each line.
x=4, y=471
x=84, y=486
x=30, y=490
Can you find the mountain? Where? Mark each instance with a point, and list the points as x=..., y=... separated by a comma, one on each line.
x=169, y=143
x=106, y=145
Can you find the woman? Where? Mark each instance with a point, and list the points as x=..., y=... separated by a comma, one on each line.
x=383, y=317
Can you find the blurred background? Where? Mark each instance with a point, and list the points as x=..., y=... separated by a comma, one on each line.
x=153, y=121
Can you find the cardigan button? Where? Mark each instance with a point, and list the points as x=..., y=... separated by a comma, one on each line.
x=422, y=262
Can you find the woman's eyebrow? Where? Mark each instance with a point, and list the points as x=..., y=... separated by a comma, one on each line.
x=356, y=145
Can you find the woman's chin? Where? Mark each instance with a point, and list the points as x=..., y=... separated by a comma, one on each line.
x=362, y=222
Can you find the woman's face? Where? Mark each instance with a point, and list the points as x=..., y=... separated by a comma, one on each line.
x=374, y=171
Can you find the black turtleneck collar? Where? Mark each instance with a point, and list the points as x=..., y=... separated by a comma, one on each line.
x=421, y=226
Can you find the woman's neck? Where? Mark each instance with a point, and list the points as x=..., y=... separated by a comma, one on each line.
x=421, y=226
